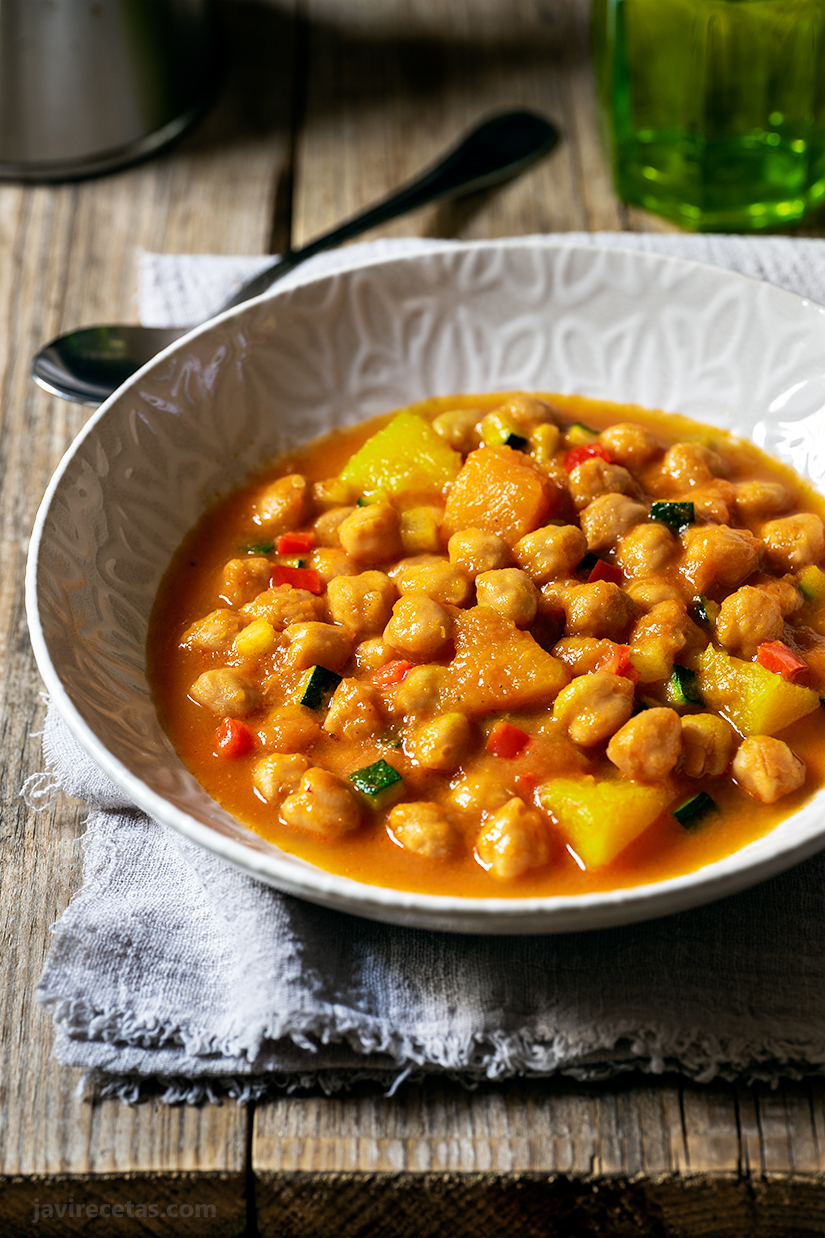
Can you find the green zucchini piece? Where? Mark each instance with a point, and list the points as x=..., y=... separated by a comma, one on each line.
x=693, y=811
x=677, y=516
x=258, y=548
x=317, y=687
x=517, y=442
x=682, y=687
x=707, y=611
x=291, y=562
x=379, y=783
x=580, y=435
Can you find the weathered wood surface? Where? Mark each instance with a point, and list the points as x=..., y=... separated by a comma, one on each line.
x=321, y=115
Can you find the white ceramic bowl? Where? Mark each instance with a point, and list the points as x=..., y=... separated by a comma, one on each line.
x=491, y=316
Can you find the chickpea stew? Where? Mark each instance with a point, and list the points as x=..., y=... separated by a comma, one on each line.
x=503, y=646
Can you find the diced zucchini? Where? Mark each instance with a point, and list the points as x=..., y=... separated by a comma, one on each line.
x=580, y=435
x=755, y=700
x=601, y=818
x=317, y=686
x=407, y=460
x=692, y=812
x=677, y=516
x=811, y=584
x=588, y=563
x=682, y=688
x=293, y=561
x=379, y=783
x=258, y=548
x=706, y=610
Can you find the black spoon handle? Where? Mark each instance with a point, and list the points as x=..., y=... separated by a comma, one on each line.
x=496, y=150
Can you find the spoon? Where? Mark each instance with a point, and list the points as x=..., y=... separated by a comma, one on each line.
x=87, y=365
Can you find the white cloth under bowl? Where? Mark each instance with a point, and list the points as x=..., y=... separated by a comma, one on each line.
x=173, y=966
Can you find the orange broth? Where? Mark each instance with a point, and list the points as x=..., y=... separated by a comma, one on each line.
x=370, y=854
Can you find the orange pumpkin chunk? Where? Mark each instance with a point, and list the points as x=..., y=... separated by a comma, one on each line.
x=498, y=490
x=498, y=667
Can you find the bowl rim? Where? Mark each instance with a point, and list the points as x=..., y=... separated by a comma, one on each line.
x=600, y=909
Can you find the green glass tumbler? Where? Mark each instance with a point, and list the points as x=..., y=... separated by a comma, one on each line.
x=715, y=109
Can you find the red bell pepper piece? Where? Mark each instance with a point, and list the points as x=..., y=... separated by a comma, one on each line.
x=617, y=662
x=506, y=740
x=298, y=577
x=606, y=571
x=295, y=543
x=233, y=739
x=391, y=673
x=590, y=451
x=776, y=656
x=525, y=785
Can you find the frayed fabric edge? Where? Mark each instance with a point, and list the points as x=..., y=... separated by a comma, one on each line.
x=182, y=1090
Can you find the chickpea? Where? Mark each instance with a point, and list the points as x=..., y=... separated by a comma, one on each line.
x=323, y=804
x=767, y=768
x=372, y=534
x=594, y=477
x=747, y=618
x=439, y=579
x=648, y=746
x=713, y=503
x=354, y=711
x=421, y=691
x=525, y=412
x=213, y=633
x=717, y=558
x=441, y=743
x=651, y=592
x=707, y=745
x=289, y=728
x=283, y=606
x=608, y=518
x=419, y=627
x=692, y=464
x=761, y=498
x=480, y=791
x=511, y=592
x=473, y=551
x=225, y=693
x=327, y=528
x=783, y=591
x=629, y=444
x=330, y=562
x=283, y=505
x=424, y=829
x=372, y=653
x=660, y=636
x=793, y=542
x=317, y=644
x=332, y=492
x=593, y=707
x=646, y=549
x=514, y=839
x=459, y=428
x=551, y=552
x=244, y=579
x=599, y=609
x=278, y=774
x=362, y=604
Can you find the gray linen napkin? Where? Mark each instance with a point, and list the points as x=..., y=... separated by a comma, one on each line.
x=172, y=966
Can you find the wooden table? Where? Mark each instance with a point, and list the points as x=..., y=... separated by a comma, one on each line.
x=328, y=106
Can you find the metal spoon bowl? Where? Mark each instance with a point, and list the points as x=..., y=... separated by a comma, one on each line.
x=87, y=365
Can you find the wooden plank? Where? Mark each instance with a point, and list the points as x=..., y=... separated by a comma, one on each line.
x=67, y=257
x=391, y=86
